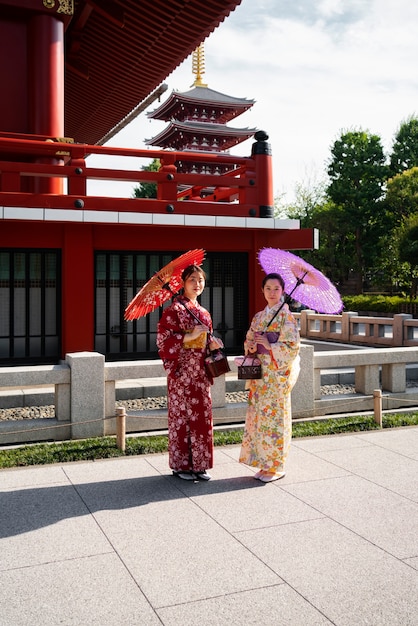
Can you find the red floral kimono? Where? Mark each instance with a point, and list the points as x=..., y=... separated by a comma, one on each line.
x=190, y=424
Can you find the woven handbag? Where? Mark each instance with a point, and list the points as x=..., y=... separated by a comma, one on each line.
x=250, y=368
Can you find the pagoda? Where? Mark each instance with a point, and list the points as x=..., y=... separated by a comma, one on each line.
x=198, y=122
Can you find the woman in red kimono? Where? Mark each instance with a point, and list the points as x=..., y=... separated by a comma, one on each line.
x=181, y=342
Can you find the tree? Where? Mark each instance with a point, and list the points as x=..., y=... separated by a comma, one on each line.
x=279, y=206
x=358, y=173
x=402, y=195
x=408, y=249
x=400, y=203
x=314, y=210
x=308, y=196
x=405, y=147
x=147, y=190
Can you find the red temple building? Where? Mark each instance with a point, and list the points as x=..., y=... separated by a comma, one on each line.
x=72, y=72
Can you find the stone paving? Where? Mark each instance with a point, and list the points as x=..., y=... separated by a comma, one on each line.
x=123, y=542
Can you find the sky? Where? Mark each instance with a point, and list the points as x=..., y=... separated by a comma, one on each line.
x=315, y=70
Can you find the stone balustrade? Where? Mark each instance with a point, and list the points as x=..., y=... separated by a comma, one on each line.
x=351, y=328
x=85, y=391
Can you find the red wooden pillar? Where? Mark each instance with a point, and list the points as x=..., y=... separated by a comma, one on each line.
x=46, y=86
x=261, y=151
x=167, y=189
x=78, y=289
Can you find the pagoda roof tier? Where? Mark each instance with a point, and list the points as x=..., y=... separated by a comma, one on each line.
x=182, y=105
x=177, y=134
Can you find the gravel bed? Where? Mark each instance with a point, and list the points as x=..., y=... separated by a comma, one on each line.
x=27, y=413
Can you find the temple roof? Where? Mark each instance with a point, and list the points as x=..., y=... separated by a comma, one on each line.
x=173, y=135
x=227, y=107
x=117, y=53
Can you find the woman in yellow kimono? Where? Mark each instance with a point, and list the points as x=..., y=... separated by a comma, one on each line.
x=268, y=424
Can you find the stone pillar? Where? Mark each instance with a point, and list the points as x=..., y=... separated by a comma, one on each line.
x=218, y=392
x=87, y=394
x=303, y=322
x=63, y=402
x=394, y=377
x=110, y=398
x=397, y=328
x=366, y=379
x=345, y=325
x=303, y=391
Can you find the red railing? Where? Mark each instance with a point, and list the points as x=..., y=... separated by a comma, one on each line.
x=33, y=173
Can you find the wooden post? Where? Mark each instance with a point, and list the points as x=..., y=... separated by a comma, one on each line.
x=377, y=406
x=167, y=189
x=121, y=428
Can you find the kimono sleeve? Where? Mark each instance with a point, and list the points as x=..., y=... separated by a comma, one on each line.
x=286, y=350
x=169, y=339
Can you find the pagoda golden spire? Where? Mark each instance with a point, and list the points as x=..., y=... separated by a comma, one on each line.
x=198, y=66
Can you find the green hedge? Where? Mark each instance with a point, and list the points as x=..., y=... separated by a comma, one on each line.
x=380, y=304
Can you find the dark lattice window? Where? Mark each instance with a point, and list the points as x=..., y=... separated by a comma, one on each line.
x=120, y=275
x=30, y=306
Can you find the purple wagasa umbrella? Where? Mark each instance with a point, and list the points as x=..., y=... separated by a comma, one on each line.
x=303, y=282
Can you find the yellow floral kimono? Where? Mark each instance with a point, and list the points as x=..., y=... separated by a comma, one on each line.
x=268, y=424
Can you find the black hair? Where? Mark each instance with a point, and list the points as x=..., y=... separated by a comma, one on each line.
x=273, y=276
x=188, y=271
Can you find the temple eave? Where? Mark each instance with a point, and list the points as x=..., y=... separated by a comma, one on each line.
x=201, y=97
x=181, y=143
x=203, y=129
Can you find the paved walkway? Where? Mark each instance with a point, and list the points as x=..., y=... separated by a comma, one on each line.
x=122, y=542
